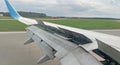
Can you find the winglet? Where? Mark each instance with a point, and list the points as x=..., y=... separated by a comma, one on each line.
x=12, y=11
x=16, y=15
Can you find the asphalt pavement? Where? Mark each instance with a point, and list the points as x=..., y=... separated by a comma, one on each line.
x=14, y=52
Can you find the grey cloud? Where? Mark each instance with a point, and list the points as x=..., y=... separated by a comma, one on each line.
x=80, y=8
x=66, y=7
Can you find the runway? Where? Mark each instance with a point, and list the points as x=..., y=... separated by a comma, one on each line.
x=14, y=52
x=115, y=32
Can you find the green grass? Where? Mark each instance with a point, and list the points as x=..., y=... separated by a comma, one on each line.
x=88, y=23
x=13, y=25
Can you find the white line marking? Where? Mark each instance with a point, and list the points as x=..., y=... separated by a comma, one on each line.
x=12, y=32
x=107, y=30
x=7, y=19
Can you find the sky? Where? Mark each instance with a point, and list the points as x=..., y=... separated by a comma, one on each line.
x=68, y=8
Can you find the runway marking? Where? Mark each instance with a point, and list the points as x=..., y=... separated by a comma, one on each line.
x=107, y=30
x=12, y=32
x=7, y=19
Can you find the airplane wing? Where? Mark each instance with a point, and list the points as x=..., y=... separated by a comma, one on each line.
x=16, y=15
x=70, y=45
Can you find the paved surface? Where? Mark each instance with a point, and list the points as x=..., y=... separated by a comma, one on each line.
x=112, y=32
x=7, y=19
x=14, y=52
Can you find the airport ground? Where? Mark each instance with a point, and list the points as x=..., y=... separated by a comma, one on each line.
x=14, y=25
x=14, y=52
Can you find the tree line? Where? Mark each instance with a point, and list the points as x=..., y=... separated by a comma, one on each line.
x=27, y=14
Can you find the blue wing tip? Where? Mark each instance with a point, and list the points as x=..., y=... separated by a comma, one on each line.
x=12, y=11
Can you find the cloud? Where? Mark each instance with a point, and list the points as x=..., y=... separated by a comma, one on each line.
x=102, y=8
x=27, y=1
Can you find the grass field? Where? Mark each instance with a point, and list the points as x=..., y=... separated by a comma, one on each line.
x=4, y=17
x=13, y=25
x=88, y=23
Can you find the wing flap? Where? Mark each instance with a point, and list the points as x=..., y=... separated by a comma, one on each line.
x=79, y=57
